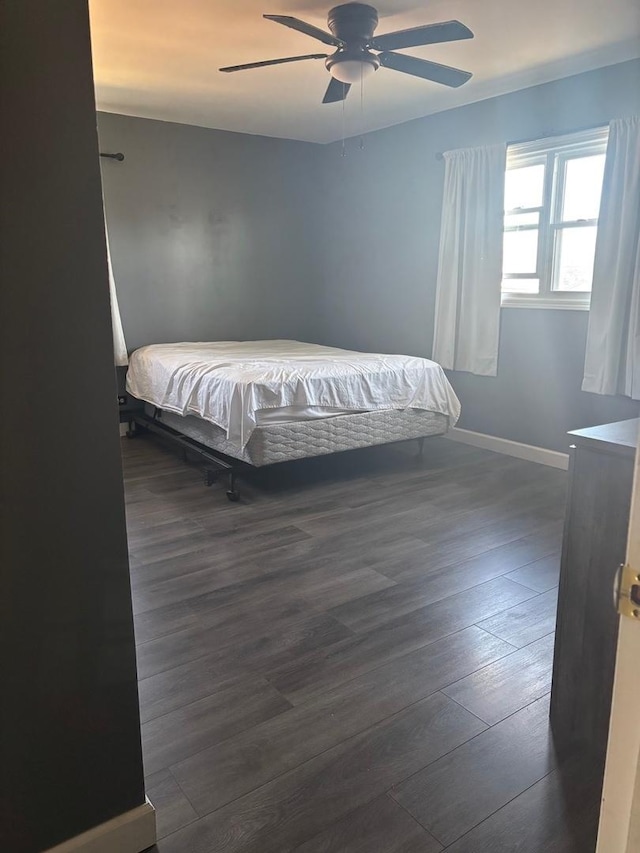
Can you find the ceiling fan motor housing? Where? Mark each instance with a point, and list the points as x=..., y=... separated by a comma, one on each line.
x=354, y=24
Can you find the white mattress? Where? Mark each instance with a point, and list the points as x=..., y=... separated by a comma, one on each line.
x=233, y=383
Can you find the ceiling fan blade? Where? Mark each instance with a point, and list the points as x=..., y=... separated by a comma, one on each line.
x=273, y=62
x=303, y=27
x=416, y=36
x=336, y=91
x=424, y=68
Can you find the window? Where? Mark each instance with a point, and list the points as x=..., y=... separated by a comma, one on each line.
x=551, y=201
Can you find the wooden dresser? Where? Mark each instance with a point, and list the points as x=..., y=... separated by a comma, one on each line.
x=595, y=535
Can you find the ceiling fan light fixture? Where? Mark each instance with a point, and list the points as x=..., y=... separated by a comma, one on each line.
x=352, y=70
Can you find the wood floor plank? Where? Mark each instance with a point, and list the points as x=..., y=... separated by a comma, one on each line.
x=293, y=808
x=162, y=693
x=522, y=517
x=218, y=552
x=188, y=730
x=382, y=545
x=264, y=516
x=464, y=787
x=324, y=585
x=173, y=809
x=437, y=515
x=541, y=576
x=452, y=468
x=475, y=542
x=366, y=613
x=302, y=574
x=190, y=584
x=558, y=814
x=243, y=540
x=244, y=610
x=137, y=468
x=464, y=536
x=190, y=502
x=439, y=465
x=143, y=510
x=379, y=827
x=147, y=535
x=504, y=687
x=351, y=584
x=184, y=479
x=260, y=643
x=374, y=504
x=312, y=674
x=522, y=482
x=153, y=624
x=527, y=622
x=181, y=544
x=178, y=566
x=242, y=763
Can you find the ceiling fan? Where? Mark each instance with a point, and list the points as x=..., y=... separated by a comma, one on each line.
x=352, y=27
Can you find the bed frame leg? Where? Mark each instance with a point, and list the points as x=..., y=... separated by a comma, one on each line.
x=421, y=447
x=211, y=476
x=232, y=492
x=135, y=428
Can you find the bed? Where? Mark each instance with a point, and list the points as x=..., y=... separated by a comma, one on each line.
x=262, y=402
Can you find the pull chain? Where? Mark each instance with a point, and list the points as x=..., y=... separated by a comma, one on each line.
x=361, y=108
x=343, y=153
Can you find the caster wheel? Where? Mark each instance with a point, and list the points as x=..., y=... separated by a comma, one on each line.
x=130, y=433
x=234, y=497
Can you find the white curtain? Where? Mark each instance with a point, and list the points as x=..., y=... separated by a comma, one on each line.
x=119, y=344
x=467, y=322
x=612, y=364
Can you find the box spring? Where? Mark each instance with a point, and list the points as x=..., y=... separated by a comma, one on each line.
x=281, y=442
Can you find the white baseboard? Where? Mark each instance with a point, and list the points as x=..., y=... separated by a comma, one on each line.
x=510, y=448
x=130, y=832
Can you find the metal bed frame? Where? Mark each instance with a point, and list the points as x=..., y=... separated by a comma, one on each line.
x=217, y=464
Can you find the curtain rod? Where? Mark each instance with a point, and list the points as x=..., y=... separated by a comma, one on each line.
x=546, y=134
x=119, y=156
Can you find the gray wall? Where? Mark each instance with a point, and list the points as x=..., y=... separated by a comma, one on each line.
x=382, y=238
x=69, y=720
x=212, y=233
x=222, y=235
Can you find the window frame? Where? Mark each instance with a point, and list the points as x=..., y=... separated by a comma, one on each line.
x=554, y=153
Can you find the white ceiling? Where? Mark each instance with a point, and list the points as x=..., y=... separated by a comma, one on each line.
x=160, y=59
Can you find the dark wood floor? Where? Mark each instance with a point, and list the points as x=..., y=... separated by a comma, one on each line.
x=356, y=658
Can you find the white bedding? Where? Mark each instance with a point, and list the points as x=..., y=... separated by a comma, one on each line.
x=229, y=383
x=295, y=414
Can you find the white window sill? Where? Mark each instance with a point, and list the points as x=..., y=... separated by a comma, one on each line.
x=557, y=303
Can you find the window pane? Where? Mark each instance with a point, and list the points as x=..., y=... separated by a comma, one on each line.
x=521, y=285
x=523, y=187
x=520, y=252
x=575, y=252
x=516, y=220
x=582, y=188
